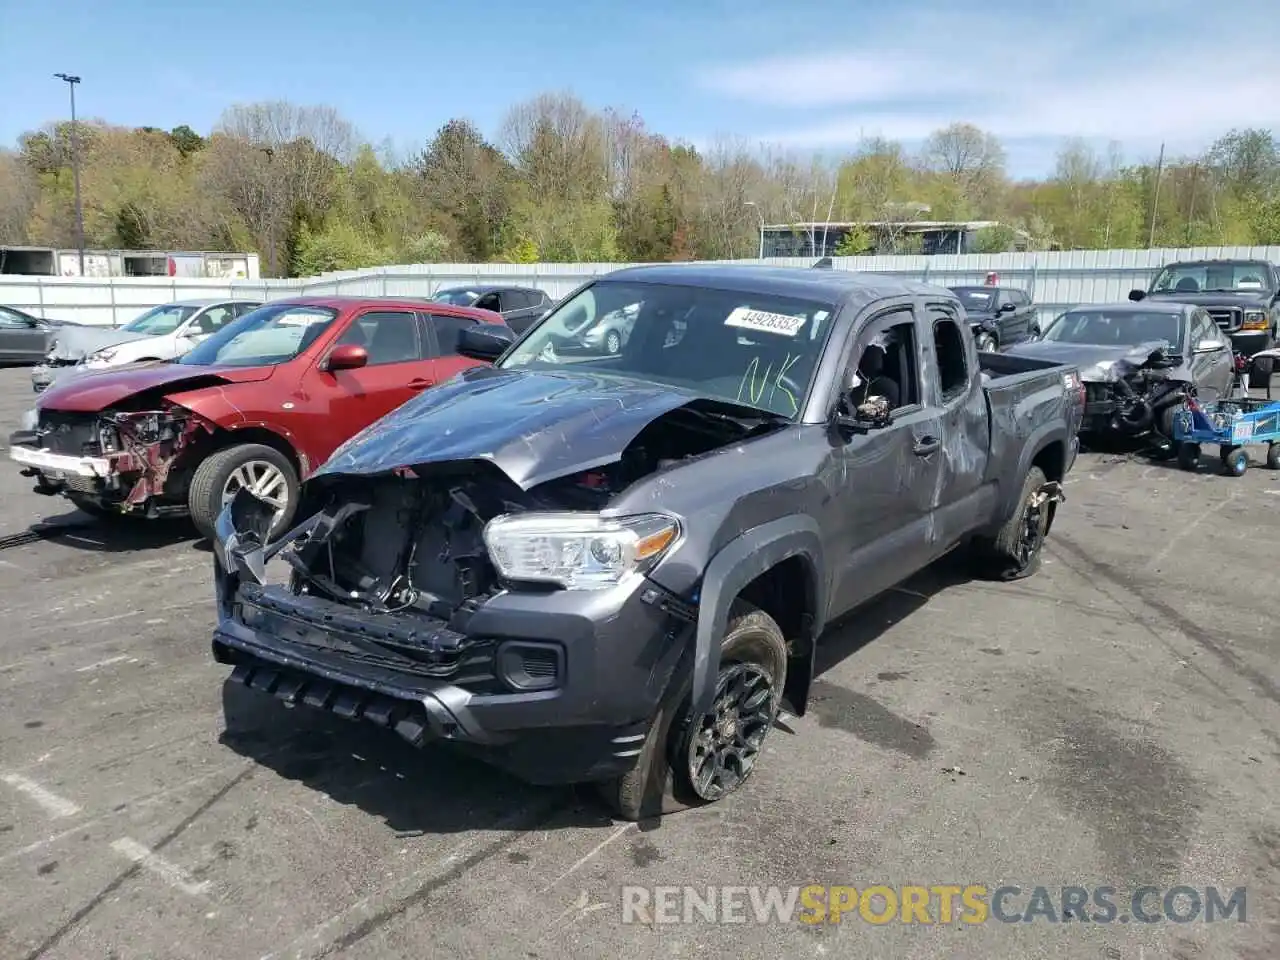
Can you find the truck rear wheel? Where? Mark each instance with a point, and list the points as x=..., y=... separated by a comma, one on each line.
x=689, y=761
x=1015, y=551
x=264, y=469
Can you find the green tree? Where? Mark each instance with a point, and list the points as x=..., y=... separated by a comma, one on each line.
x=856, y=241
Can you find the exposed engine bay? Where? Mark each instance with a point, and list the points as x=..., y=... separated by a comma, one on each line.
x=412, y=540
x=134, y=450
x=1135, y=396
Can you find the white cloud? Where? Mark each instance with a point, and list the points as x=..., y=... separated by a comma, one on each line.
x=1143, y=72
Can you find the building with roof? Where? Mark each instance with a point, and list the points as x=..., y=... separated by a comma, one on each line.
x=927, y=237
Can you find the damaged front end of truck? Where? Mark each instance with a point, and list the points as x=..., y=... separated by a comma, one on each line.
x=466, y=579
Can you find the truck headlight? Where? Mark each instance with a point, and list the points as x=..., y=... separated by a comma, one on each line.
x=101, y=356
x=577, y=551
x=1254, y=320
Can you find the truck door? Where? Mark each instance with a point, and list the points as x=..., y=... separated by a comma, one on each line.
x=954, y=387
x=882, y=481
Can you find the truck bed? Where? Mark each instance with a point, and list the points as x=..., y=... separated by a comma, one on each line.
x=1025, y=397
x=1004, y=367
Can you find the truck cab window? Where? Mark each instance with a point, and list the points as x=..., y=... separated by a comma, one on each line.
x=953, y=368
x=887, y=367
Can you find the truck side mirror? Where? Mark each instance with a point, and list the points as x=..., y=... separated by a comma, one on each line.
x=871, y=413
x=1136, y=295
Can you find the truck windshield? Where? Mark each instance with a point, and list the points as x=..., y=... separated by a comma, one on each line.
x=1242, y=276
x=1124, y=328
x=756, y=350
x=160, y=320
x=269, y=335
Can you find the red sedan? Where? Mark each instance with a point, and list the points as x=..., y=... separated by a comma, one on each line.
x=260, y=404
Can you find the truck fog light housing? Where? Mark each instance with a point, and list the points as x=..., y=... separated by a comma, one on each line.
x=577, y=551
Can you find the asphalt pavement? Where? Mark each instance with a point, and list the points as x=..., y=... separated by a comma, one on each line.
x=1112, y=722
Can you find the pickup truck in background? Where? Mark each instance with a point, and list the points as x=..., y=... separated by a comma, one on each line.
x=1242, y=297
x=613, y=568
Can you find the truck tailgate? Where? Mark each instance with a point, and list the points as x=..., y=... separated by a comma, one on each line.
x=1026, y=395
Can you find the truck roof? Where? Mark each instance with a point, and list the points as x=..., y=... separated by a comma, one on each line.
x=836, y=286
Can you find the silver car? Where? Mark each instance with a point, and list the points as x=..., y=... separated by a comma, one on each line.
x=164, y=332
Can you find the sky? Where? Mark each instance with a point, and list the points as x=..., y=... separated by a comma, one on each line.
x=809, y=75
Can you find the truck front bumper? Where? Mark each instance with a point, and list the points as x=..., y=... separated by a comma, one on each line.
x=553, y=687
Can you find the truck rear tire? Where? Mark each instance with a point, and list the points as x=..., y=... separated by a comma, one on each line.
x=205, y=495
x=684, y=763
x=1015, y=551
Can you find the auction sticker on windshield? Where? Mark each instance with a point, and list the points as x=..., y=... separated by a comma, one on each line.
x=780, y=323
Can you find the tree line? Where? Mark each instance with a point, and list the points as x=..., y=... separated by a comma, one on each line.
x=563, y=182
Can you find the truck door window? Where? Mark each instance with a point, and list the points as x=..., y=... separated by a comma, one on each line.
x=887, y=366
x=953, y=364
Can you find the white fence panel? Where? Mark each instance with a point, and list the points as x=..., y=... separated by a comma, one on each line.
x=1055, y=280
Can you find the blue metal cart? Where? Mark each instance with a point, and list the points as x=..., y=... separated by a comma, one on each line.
x=1232, y=424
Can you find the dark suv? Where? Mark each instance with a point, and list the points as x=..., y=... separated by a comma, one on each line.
x=520, y=306
x=999, y=317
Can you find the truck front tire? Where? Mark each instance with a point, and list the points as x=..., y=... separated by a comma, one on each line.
x=688, y=761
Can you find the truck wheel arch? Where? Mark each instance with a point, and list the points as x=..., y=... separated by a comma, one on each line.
x=1047, y=450
x=790, y=547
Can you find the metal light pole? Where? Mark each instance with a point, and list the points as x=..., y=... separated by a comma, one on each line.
x=759, y=216
x=71, y=82
x=271, y=213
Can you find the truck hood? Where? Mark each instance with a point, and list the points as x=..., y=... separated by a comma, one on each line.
x=1096, y=363
x=96, y=390
x=1214, y=298
x=72, y=344
x=534, y=426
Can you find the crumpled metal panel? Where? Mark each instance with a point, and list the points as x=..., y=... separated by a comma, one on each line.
x=1099, y=363
x=72, y=344
x=534, y=426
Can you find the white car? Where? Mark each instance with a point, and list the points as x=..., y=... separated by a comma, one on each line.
x=165, y=332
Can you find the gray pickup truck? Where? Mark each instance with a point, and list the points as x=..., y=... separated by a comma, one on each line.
x=616, y=568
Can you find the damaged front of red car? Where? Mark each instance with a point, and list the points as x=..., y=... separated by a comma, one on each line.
x=127, y=441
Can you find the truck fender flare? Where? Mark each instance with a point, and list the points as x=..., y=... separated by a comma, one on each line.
x=1041, y=438
x=739, y=562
